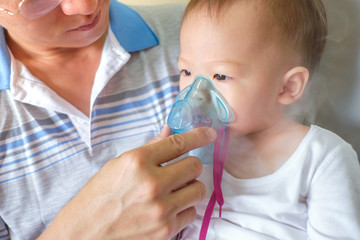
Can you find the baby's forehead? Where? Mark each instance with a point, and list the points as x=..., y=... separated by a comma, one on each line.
x=216, y=9
x=262, y=12
x=230, y=11
x=245, y=41
x=237, y=14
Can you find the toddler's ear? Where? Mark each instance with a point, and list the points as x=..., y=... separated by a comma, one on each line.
x=293, y=85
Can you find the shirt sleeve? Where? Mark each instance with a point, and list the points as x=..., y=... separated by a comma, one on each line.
x=334, y=197
x=4, y=233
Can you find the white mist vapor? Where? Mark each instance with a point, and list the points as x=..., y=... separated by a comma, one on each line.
x=332, y=99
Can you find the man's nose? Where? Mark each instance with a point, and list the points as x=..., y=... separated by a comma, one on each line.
x=79, y=7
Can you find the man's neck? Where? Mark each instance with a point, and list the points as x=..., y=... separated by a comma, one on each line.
x=29, y=52
x=63, y=68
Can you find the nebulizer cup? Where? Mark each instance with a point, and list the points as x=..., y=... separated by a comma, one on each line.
x=200, y=105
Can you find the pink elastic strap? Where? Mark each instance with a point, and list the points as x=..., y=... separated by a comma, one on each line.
x=220, y=152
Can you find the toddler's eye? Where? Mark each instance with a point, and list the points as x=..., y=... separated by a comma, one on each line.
x=186, y=73
x=220, y=77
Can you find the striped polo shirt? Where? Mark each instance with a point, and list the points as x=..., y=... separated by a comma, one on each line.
x=49, y=149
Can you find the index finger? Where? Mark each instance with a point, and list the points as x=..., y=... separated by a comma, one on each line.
x=178, y=144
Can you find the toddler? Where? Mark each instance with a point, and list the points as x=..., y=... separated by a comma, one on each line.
x=282, y=179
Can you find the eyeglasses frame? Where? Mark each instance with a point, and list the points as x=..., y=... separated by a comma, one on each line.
x=13, y=13
x=19, y=10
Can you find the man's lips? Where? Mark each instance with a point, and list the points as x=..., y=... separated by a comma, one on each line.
x=89, y=25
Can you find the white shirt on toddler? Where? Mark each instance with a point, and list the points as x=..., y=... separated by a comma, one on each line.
x=314, y=195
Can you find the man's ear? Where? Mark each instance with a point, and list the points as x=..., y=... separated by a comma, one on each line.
x=293, y=85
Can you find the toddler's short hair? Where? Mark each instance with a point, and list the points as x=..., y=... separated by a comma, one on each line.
x=301, y=24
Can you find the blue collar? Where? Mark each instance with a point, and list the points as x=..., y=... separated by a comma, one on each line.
x=129, y=28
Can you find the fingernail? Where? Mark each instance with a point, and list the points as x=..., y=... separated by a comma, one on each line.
x=211, y=133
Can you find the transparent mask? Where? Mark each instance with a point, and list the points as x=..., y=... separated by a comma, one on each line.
x=200, y=105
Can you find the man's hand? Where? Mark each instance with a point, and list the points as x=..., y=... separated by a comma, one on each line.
x=134, y=197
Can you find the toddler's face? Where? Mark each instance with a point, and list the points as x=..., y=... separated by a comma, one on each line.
x=236, y=53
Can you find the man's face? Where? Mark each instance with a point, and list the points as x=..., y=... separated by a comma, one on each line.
x=71, y=24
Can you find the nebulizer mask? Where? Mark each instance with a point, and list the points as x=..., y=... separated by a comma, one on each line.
x=200, y=105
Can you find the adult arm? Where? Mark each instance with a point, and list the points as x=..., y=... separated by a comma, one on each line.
x=134, y=197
